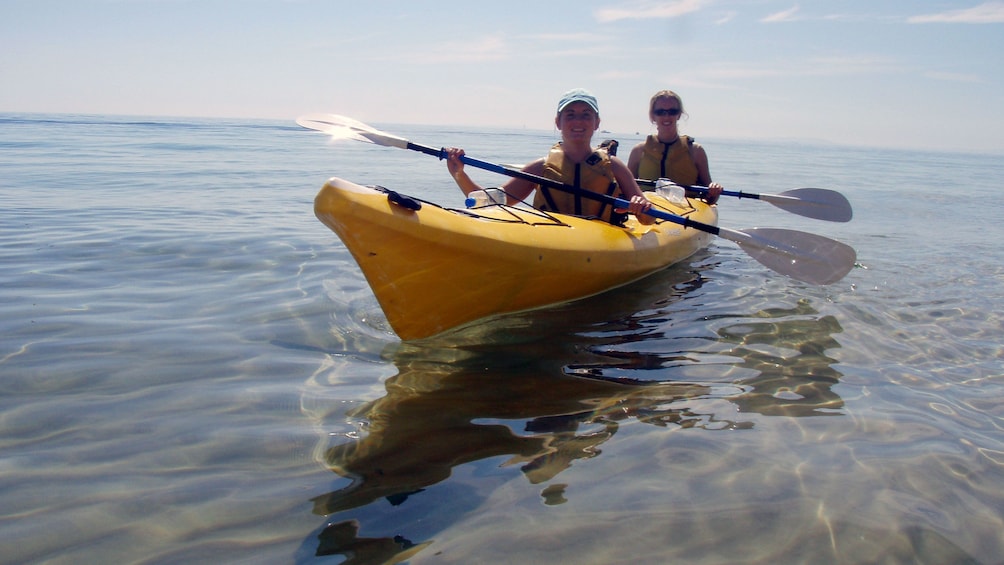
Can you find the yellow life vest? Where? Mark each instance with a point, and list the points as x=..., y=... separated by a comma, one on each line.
x=593, y=175
x=671, y=161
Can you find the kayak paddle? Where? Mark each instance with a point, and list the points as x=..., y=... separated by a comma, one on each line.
x=802, y=256
x=815, y=203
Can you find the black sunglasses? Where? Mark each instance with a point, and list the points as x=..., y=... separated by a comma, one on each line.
x=669, y=112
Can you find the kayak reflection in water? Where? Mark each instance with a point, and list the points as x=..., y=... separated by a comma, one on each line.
x=437, y=417
x=425, y=426
x=543, y=412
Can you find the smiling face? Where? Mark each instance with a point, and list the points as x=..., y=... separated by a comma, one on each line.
x=665, y=111
x=577, y=122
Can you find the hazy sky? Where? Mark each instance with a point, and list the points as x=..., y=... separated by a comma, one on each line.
x=894, y=73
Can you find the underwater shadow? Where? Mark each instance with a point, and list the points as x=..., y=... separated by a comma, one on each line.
x=448, y=408
x=777, y=360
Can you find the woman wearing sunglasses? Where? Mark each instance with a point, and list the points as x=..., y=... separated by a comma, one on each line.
x=669, y=155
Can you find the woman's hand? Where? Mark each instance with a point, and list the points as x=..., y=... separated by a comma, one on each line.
x=456, y=168
x=639, y=205
x=453, y=162
x=714, y=191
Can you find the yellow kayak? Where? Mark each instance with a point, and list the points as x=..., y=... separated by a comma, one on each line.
x=434, y=269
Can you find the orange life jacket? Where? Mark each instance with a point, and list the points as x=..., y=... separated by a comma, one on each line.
x=593, y=175
x=671, y=161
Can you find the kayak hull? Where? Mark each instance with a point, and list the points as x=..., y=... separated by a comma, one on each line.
x=435, y=269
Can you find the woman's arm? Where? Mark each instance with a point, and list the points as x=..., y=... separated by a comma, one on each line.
x=700, y=158
x=516, y=189
x=456, y=168
x=634, y=159
x=629, y=187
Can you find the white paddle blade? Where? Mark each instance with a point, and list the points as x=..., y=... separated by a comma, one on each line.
x=815, y=203
x=342, y=127
x=805, y=257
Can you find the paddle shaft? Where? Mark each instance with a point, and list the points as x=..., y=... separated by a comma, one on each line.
x=815, y=203
x=704, y=189
x=543, y=181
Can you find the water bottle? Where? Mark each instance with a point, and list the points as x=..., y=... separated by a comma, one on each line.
x=671, y=191
x=479, y=198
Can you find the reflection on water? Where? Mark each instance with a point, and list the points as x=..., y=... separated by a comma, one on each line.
x=799, y=384
x=439, y=415
x=541, y=410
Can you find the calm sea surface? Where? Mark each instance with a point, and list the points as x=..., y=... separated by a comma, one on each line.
x=193, y=369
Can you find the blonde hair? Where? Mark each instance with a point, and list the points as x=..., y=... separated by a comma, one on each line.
x=665, y=95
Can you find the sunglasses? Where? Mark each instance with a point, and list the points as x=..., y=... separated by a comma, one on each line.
x=669, y=112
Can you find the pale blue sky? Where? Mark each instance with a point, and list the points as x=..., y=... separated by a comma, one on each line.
x=896, y=73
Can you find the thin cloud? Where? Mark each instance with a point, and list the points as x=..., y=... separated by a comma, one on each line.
x=782, y=16
x=581, y=36
x=492, y=48
x=645, y=10
x=795, y=14
x=847, y=65
x=621, y=75
x=584, y=51
x=743, y=72
x=953, y=77
x=553, y=45
x=725, y=18
x=818, y=66
x=986, y=13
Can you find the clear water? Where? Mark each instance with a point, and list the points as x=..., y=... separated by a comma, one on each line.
x=192, y=368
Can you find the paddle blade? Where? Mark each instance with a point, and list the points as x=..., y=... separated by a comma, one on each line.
x=342, y=127
x=802, y=256
x=815, y=203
